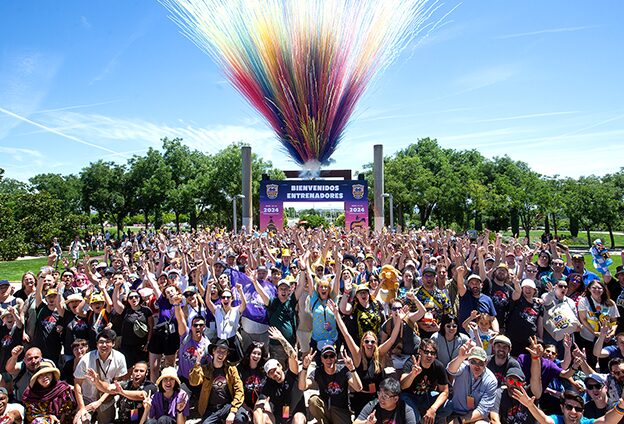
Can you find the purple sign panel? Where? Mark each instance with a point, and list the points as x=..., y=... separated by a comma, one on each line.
x=273, y=193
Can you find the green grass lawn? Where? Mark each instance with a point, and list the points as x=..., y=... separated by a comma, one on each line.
x=580, y=241
x=13, y=270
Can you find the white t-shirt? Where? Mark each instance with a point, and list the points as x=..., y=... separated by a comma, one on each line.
x=114, y=367
x=604, y=312
x=227, y=324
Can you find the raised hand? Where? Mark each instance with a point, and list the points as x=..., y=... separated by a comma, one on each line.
x=17, y=350
x=347, y=361
x=371, y=419
x=535, y=349
x=275, y=334
x=521, y=396
x=307, y=360
x=466, y=349
x=416, y=368
x=332, y=306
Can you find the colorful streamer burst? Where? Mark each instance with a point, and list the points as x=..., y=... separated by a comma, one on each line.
x=303, y=64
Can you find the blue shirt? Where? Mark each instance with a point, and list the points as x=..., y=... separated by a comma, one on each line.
x=483, y=390
x=468, y=303
x=558, y=419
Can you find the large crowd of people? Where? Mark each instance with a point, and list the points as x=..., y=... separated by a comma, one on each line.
x=338, y=327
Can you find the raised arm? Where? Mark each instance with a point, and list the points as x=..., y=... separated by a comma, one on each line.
x=117, y=304
x=354, y=382
x=398, y=317
x=209, y=303
x=353, y=347
x=293, y=361
x=243, y=304
x=260, y=290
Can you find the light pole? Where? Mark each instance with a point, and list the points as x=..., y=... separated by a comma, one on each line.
x=238, y=196
x=389, y=196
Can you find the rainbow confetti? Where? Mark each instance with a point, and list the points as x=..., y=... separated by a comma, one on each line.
x=303, y=64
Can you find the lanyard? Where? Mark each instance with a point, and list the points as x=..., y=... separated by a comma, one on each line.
x=472, y=385
x=100, y=369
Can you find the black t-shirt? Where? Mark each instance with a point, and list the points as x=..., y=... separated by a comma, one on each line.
x=333, y=389
x=220, y=394
x=501, y=298
x=131, y=411
x=67, y=373
x=429, y=378
x=128, y=337
x=21, y=294
x=253, y=382
x=592, y=411
x=402, y=414
x=48, y=332
x=285, y=393
x=510, y=410
x=522, y=319
x=501, y=371
x=9, y=338
x=75, y=328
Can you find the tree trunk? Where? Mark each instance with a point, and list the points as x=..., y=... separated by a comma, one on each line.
x=546, y=224
x=554, y=219
x=478, y=221
x=574, y=226
x=193, y=218
x=145, y=213
x=588, y=236
x=177, y=218
x=610, y=227
x=515, y=222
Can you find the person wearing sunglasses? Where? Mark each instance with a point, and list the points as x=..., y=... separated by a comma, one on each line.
x=137, y=324
x=507, y=409
x=596, y=388
x=474, y=385
x=368, y=356
x=387, y=407
x=448, y=339
x=572, y=409
x=423, y=375
x=227, y=318
x=331, y=405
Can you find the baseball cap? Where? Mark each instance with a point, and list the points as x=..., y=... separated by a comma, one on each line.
x=473, y=277
x=598, y=378
x=516, y=372
x=577, y=256
x=271, y=364
x=429, y=270
x=501, y=339
x=5, y=283
x=527, y=282
x=478, y=353
x=283, y=281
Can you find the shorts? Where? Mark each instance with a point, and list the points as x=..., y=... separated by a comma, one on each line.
x=164, y=344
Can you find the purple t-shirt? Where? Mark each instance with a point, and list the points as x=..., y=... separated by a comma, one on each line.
x=255, y=310
x=550, y=370
x=162, y=406
x=166, y=310
x=187, y=354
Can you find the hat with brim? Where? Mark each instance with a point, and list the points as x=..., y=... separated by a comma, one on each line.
x=362, y=287
x=619, y=270
x=4, y=313
x=478, y=353
x=97, y=298
x=219, y=343
x=283, y=282
x=5, y=283
x=326, y=346
x=489, y=259
x=51, y=292
x=429, y=270
x=45, y=368
x=271, y=364
x=473, y=277
x=516, y=372
x=74, y=297
x=527, y=282
x=168, y=372
x=190, y=289
x=578, y=256
x=501, y=339
x=101, y=265
x=598, y=378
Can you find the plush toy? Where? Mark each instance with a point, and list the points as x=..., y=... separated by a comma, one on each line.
x=389, y=277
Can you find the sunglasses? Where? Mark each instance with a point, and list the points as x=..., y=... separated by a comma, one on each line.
x=575, y=408
x=477, y=363
x=562, y=286
x=189, y=294
x=369, y=342
x=199, y=325
x=226, y=297
x=396, y=308
x=594, y=386
x=134, y=297
x=532, y=270
x=329, y=356
x=513, y=383
x=429, y=352
x=451, y=325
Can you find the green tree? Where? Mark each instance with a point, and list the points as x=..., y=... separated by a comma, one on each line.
x=67, y=189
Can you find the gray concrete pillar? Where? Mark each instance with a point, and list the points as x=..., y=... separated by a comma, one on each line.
x=378, y=173
x=247, y=216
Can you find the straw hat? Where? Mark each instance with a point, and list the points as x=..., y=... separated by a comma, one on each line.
x=168, y=372
x=44, y=368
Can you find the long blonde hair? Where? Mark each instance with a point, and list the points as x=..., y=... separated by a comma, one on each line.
x=375, y=359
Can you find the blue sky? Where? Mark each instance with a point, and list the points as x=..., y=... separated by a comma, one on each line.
x=538, y=80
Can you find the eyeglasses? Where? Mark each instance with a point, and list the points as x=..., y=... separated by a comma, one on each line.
x=369, y=342
x=104, y=342
x=477, y=363
x=429, y=352
x=575, y=408
x=593, y=386
x=329, y=356
x=172, y=276
x=385, y=396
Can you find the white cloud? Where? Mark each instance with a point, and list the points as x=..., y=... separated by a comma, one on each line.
x=547, y=31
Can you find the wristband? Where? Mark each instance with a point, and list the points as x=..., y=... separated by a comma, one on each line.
x=618, y=409
x=535, y=357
